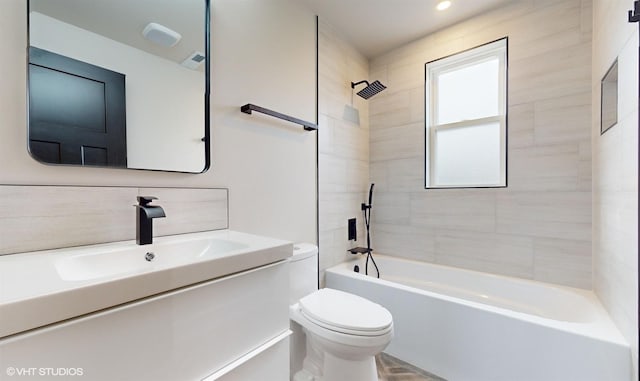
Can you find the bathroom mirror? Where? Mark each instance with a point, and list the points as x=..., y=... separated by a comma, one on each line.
x=609, y=100
x=119, y=83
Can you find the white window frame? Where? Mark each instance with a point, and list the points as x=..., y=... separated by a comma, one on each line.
x=433, y=69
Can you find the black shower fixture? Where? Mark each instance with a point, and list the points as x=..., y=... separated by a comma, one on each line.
x=371, y=89
x=366, y=209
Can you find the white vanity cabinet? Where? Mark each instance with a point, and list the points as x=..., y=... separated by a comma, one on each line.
x=231, y=328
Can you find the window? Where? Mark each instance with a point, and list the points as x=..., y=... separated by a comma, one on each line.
x=466, y=123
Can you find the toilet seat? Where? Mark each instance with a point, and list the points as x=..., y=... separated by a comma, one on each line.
x=346, y=313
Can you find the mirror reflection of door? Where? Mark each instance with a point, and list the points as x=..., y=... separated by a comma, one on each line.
x=76, y=111
x=167, y=89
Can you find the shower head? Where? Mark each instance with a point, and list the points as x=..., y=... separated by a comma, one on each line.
x=364, y=206
x=371, y=89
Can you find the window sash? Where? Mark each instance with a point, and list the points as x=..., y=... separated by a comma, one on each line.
x=431, y=168
x=497, y=49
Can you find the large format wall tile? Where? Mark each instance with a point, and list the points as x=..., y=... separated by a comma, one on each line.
x=521, y=124
x=391, y=109
x=405, y=241
x=189, y=210
x=496, y=253
x=397, y=142
x=539, y=227
x=343, y=145
x=562, y=120
x=466, y=210
x=563, y=261
x=545, y=214
x=391, y=208
x=49, y=217
x=615, y=172
x=544, y=168
x=401, y=175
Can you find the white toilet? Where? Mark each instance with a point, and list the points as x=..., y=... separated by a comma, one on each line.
x=336, y=334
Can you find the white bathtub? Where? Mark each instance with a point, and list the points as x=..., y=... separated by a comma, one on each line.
x=471, y=326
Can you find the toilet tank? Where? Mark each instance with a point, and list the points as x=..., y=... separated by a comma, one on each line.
x=303, y=271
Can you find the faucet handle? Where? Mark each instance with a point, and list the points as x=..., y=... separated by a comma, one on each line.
x=144, y=200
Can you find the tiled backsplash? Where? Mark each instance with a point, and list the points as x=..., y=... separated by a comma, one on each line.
x=48, y=217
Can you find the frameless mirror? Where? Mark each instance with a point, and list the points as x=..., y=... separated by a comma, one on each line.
x=120, y=83
x=609, y=101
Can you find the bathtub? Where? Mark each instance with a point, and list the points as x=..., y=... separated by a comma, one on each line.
x=471, y=326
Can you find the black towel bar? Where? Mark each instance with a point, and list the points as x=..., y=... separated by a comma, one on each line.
x=251, y=107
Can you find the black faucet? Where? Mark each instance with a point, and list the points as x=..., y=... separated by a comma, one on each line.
x=144, y=219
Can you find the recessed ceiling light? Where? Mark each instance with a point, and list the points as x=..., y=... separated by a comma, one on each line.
x=443, y=5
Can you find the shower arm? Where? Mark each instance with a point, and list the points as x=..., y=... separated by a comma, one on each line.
x=354, y=84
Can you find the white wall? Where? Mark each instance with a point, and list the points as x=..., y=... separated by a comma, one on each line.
x=539, y=227
x=263, y=52
x=615, y=171
x=165, y=108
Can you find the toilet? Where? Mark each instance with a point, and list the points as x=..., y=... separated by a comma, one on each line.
x=336, y=335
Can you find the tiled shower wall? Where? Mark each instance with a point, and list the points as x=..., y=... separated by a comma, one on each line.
x=615, y=172
x=49, y=217
x=539, y=227
x=343, y=145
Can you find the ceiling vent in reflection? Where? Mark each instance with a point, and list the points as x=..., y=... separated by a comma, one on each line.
x=161, y=35
x=194, y=60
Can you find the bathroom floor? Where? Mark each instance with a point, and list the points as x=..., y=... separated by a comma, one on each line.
x=393, y=369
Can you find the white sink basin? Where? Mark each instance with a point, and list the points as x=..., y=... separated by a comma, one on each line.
x=44, y=287
x=108, y=263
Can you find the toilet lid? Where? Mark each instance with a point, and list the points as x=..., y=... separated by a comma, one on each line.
x=342, y=311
